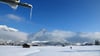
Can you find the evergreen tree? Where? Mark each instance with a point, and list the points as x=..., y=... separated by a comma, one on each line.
x=97, y=42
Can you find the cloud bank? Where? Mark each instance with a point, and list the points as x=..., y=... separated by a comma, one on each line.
x=65, y=36
x=91, y=35
x=8, y=33
x=6, y=28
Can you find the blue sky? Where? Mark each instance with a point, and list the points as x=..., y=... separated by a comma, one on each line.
x=69, y=15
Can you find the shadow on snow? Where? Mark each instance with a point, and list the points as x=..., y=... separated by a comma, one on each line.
x=81, y=51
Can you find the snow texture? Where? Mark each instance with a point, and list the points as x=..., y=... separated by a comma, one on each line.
x=50, y=51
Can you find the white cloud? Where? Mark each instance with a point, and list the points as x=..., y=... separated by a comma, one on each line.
x=8, y=33
x=16, y=36
x=56, y=35
x=91, y=35
x=14, y=17
x=62, y=36
x=6, y=28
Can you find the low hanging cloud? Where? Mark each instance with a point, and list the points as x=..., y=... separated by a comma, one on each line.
x=91, y=35
x=55, y=36
x=65, y=36
x=60, y=36
x=8, y=33
x=6, y=28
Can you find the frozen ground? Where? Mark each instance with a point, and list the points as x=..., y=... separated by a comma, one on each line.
x=50, y=51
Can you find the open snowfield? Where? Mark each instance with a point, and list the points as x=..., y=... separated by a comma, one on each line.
x=50, y=51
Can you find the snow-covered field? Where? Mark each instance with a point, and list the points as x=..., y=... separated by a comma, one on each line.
x=50, y=51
